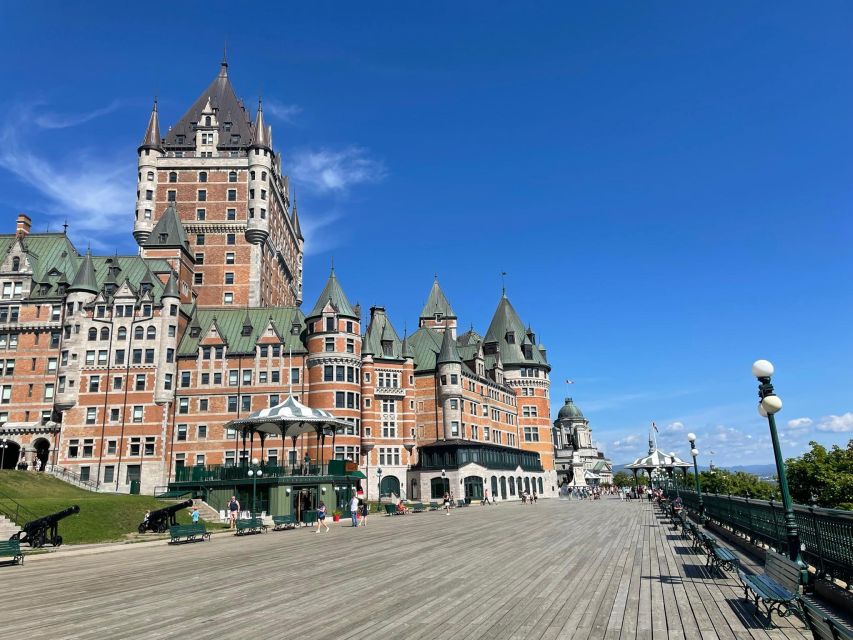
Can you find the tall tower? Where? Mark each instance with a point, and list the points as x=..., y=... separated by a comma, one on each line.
x=218, y=169
x=449, y=371
x=437, y=313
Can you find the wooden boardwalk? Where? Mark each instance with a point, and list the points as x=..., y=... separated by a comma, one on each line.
x=581, y=570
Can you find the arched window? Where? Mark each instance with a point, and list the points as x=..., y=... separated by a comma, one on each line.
x=138, y=333
x=93, y=334
x=503, y=487
x=150, y=175
x=16, y=263
x=173, y=176
x=438, y=487
x=389, y=485
x=511, y=486
x=152, y=333
x=122, y=333
x=105, y=333
x=527, y=485
x=494, y=486
x=540, y=486
x=202, y=176
x=206, y=121
x=232, y=176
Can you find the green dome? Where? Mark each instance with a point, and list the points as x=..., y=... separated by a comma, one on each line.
x=569, y=411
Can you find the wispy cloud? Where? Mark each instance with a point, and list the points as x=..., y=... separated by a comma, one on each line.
x=49, y=120
x=836, y=424
x=316, y=242
x=336, y=171
x=281, y=111
x=91, y=191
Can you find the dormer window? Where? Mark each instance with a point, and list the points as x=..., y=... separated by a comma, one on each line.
x=387, y=348
x=206, y=121
x=510, y=337
x=163, y=237
x=195, y=332
x=330, y=323
x=226, y=126
x=527, y=350
x=180, y=139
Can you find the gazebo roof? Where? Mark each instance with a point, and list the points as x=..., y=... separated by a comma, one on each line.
x=657, y=459
x=288, y=418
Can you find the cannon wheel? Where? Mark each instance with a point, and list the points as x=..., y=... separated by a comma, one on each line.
x=161, y=528
x=142, y=528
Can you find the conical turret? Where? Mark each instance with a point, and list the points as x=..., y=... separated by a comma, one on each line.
x=152, y=139
x=448, y=353
x=85, y=279
x=262, y=133
x=171, y=289
x=333, y=294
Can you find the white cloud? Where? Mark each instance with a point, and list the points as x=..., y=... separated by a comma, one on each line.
x=836, y=424
x=625, y=444
x=800, y=423
x=674, y=427
x=64, y=120
x=335, y=171
x=284, y=112
x=91, y=191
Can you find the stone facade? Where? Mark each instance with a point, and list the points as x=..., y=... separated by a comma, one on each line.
x=578, y=461
x=124, y=368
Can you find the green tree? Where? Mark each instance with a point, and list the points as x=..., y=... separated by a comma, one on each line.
x=824, y=473
x=738, y=483
x=623, y=479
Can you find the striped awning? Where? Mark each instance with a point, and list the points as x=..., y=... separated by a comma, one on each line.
x=288, y=418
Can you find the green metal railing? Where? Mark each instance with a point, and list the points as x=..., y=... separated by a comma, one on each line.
x=826, y=534
x=15, y=511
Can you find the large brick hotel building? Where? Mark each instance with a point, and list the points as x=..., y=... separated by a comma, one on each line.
x=125, y=369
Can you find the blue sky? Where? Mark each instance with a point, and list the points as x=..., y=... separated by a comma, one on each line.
x=668, y=187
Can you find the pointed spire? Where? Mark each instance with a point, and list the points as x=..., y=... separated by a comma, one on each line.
x=152, y=138
x=169, y=231
x=260, y=138
x=407, y=348
x=295, y=218
x=85, y=279
x=247, y=324
x=332, y=293
x=437, y=303
x=366, y=349
x=171, y=290
x=223, y=66
x=449, y=353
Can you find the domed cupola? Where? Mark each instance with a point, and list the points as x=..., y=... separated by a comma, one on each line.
x=570, y=411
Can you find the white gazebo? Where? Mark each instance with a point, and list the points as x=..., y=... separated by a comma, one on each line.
x=657, y=462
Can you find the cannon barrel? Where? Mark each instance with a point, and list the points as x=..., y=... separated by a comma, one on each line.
x=167, y=511
x=52, y=518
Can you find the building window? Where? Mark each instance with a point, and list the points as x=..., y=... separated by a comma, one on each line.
x=245, y=403
x=149, y=445
x=529, y=411
x=202, y=195
x=184, y=405
x=200, y=214
x=171, y=195
x=228, y=298
x=182, y=432
x=232, y=404
x=232, y=195
x=91, y=415
x=202, y=176
x=229, y=258
x=199, y=258
x=531, y=434
x=231, y=214
x=229, y=277
x=330, y=344
x=232, y=176
x=140, y=382
x=137, y=413
x=94, y=384
x=230, y=238
x=198, y=278
x=173, y=176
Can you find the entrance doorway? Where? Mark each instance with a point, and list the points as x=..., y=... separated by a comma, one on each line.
x=304, y=499
x=42, y=447
x=9, y=453
x=389, y=485
x=473, y=488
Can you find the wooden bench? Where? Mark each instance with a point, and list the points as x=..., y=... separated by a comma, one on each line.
x=719, y=558
x=823, y=625
x=284, y=522
x=777, y=589
x=11, y=549
x=418, y=507
x=434, y=506
x=250, y=525
x=190, y=533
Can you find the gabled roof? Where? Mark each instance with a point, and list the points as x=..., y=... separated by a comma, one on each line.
x=228, y=109
x=169, y=232
x=437, y=303
x=506, y=321
x=378, y=331
x=334, y=295
x=229, y=323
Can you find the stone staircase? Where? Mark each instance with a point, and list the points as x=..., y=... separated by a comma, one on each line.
x=8, y=528
x=205, y=511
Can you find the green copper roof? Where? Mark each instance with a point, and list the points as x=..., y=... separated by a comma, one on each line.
x=333, y=293
x=508, y=331
x=169, y=231
x=84, y=279
x=569, y=411
x=437, y=303
x=378, y=331
x=229, y=322
x=171, y=289
x=426, y=343
x=448, y=354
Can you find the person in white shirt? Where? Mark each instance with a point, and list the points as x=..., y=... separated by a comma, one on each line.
x=353, y=508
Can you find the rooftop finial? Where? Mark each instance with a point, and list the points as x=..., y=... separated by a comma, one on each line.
x=223, y=66
x=65, y=226
x=333, y=265
x=503, y=284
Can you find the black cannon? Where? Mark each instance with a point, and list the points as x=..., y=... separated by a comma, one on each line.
x=40, y=531
x=161, y=519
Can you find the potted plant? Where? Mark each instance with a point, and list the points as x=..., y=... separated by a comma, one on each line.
x=336, y=516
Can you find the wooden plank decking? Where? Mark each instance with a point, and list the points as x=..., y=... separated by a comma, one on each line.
x=581, y=570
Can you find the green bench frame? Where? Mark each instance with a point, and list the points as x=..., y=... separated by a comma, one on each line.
x=11, y=549
x=719, y=557
x=418, y=507
x=823, y=625
x=284, y=522
x=192, y=533
x=777, y=589
x=250, y=525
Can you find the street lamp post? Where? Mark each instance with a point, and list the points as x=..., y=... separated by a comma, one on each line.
x=3, y=447
x=255, y=472
x=379, y=482
x=695, y=452
x=770, y=404
x=444, y=487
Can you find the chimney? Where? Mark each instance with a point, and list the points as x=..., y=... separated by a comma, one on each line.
x=24, y=224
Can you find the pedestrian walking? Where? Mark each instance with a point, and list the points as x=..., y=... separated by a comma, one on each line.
x=485, y=499
x=233, y=510
x=364, y=507
x=446, y=504
x=353, y=508
x=321, y=517
x=533, y=500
